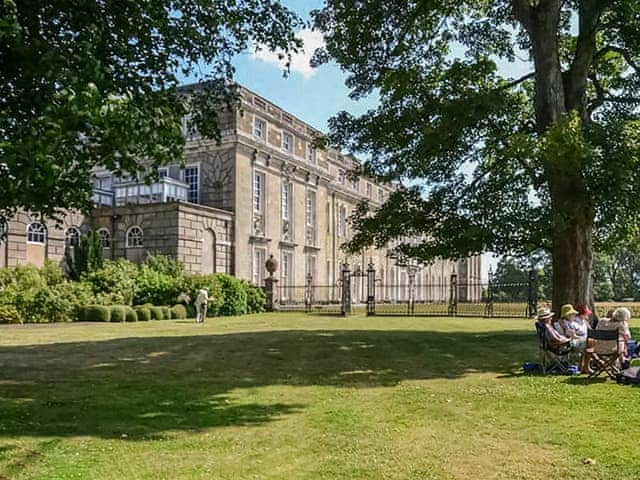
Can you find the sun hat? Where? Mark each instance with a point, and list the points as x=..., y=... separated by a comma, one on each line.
x=544, y=312
x=584, y=310
x=567, y=310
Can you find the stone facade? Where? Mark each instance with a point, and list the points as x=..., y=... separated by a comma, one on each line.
x=25, y=245
x=264, y=190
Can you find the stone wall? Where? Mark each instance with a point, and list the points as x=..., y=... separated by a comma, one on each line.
x=175, y=229
x=15, y=249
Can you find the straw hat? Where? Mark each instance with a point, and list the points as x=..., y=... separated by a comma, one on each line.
x=567, y=310
x=544, y=313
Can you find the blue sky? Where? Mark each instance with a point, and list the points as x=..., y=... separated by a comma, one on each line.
x=312, y=95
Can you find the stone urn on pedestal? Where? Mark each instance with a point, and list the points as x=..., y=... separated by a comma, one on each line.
x=270, y=284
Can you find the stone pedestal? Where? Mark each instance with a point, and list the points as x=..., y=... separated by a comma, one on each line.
x=270, y=289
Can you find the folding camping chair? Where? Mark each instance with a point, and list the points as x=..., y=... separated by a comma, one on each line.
x=605, y=356
x=553, y=358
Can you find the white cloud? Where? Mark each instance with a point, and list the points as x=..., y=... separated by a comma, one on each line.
x=300, y=62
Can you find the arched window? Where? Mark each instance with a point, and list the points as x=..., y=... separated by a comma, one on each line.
x=135, y=237
x=72, y=237
x=105, y=237
x=36, y=233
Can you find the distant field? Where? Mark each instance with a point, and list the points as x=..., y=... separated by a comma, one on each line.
x=294, y=396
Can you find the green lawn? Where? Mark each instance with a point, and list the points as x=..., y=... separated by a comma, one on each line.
x=291, y=396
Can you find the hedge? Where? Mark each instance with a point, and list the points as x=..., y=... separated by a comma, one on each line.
x=96, y=313
x=130, y=315
x=178, y=312
x=118, y=313
x=156, y=313
x=143, y=313
x=166, y=312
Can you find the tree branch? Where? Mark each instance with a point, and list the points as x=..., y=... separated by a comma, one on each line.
x=518, y=81
x=589, y=12
x=522, y=12
x=602, y=97
x=626, y=54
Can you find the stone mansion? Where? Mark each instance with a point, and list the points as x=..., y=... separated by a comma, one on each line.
x=265, y=190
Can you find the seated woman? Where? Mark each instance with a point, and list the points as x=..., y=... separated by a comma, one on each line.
x=619, y=321
x=583, y=319
x=554, y=338
x=575, y=327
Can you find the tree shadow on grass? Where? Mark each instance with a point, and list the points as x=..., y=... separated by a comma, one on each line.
x=145, y=388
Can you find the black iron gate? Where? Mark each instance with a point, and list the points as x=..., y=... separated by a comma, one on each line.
x=355, y=292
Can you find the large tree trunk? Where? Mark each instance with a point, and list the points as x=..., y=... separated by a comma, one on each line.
x=572, y=258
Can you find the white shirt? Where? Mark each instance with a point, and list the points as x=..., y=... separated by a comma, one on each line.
x=202, y=298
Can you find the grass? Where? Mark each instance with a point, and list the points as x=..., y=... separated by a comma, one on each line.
x=291, y=396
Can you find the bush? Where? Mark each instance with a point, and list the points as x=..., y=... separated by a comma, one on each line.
x=9, y=314
x=256, y=300
x=96, y=313
x=115, y=282
x=59, y=303
x=22, y=277
x=143, y=313
x=85, y=257
x=130, y=315
x=118, y=313
x=166, y=313
x=156, y=287
x=165, y=265
x=234, y=295
x=178, y=312
x=193, y=283
x=52, y=273
x=156, y=313
x=191, y=310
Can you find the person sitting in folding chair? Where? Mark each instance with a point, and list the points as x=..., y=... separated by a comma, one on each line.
x=575, y=327
x=554, y=347
x=608, y=343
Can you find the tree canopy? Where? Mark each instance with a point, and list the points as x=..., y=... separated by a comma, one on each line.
x=549, y=160
x=93, y=83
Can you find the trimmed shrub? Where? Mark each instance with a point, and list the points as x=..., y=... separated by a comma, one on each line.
x=9, y=314
x=130, y=315
x=156, y=313
x=96, y=313
x=178, y=312
x=143, y=313
x=256, y=300
x=166, y=313
x=118, y=313
x=234, y=295
x=191, y=310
